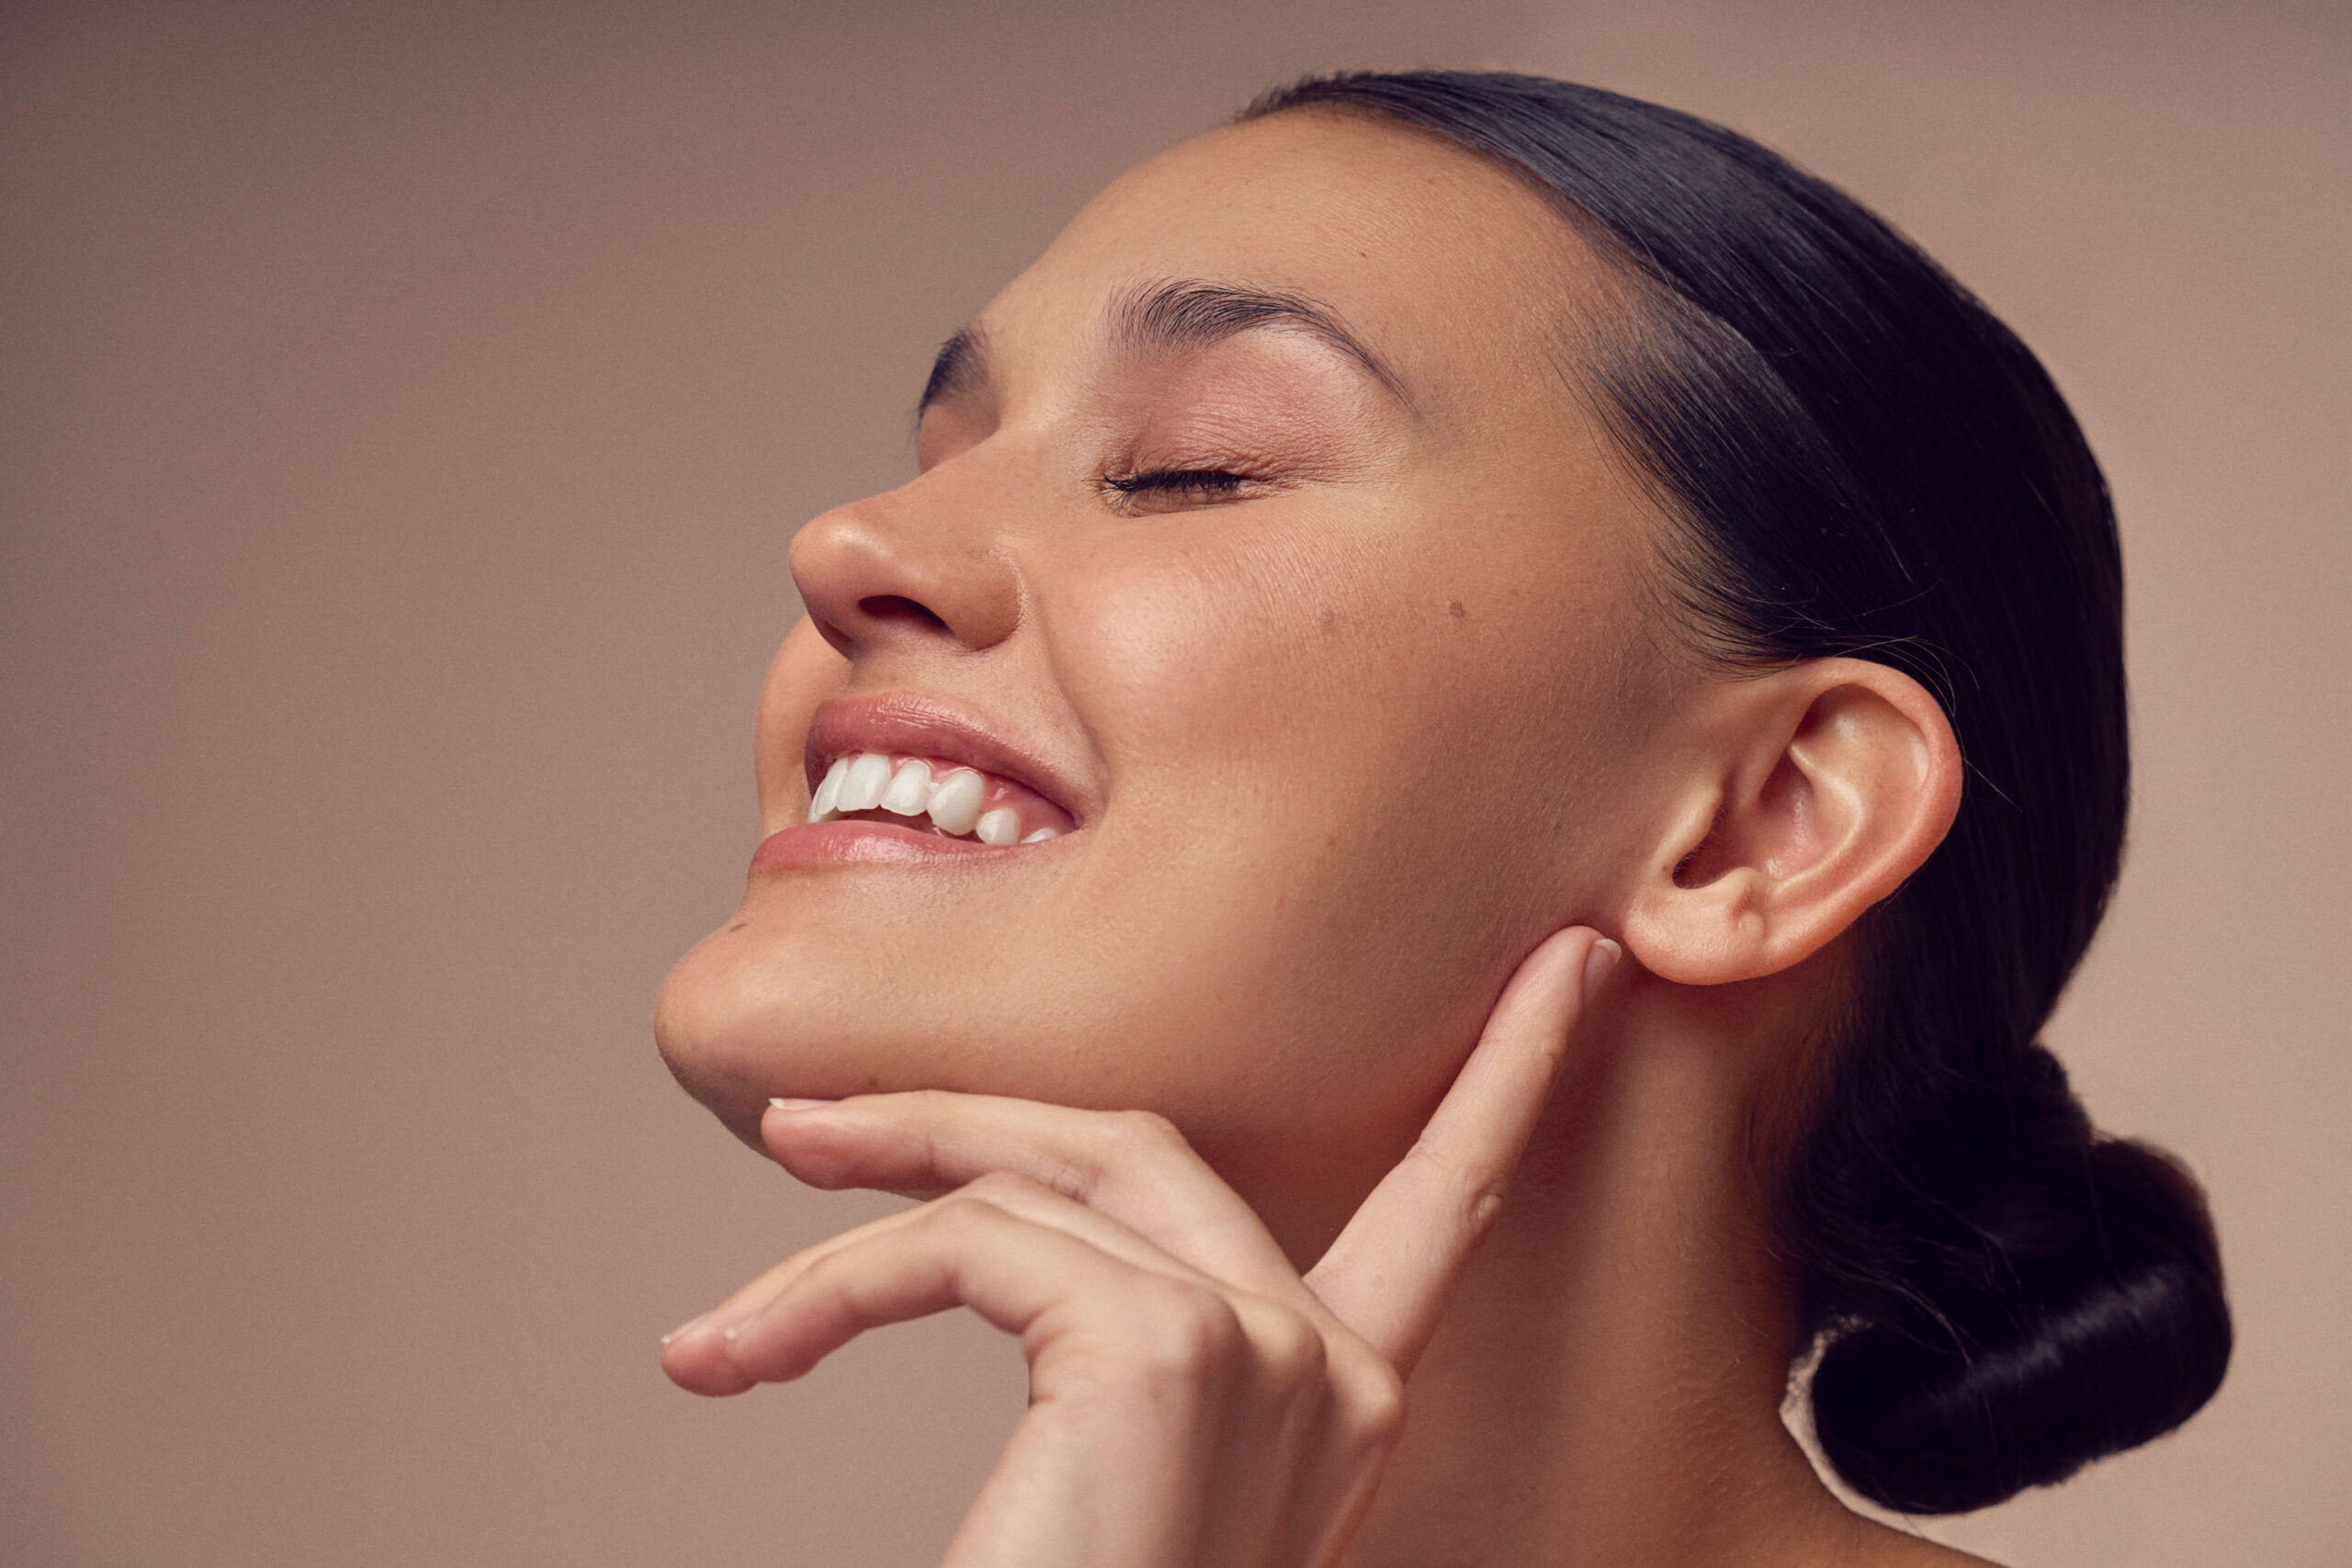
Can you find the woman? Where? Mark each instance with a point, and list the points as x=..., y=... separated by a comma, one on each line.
x=1381, y=546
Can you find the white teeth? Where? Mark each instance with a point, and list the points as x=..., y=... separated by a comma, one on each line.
x=865, y=783
x=868, y=780
x=955, y=801
x=909, y=791
x=820, y=806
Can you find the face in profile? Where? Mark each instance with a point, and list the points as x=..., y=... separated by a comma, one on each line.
x=1263, y=659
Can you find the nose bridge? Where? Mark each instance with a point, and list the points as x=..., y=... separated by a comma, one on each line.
x=926, y=561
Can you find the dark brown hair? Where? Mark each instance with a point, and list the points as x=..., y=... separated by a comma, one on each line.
x=1863, y=462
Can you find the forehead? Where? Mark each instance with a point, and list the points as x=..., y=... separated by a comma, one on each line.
x=1453, y=268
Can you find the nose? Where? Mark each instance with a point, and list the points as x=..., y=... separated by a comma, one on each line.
x=907, y=570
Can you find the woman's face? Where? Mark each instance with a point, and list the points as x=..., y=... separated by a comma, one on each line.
x=1260, y=544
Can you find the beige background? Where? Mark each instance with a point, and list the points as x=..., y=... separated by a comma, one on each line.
x=405, y=409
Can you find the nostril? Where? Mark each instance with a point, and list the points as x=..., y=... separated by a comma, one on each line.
x=898, y=608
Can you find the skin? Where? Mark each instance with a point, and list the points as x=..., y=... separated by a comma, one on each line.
x=1351, y=743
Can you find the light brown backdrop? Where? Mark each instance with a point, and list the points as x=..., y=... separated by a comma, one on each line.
x=403, y=412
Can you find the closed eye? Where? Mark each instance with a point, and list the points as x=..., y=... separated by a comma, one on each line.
x=1161, y=487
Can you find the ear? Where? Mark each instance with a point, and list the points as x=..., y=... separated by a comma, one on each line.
x=1820, y=788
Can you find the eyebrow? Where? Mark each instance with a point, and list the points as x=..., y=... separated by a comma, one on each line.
x=962, y=365
x=1189, y=313
x=1176, y=315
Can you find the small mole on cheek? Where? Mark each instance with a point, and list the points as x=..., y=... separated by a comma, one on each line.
x=1453, y=608
x=1327, y=621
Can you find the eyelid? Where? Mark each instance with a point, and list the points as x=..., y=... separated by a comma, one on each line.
x=1180, y=479
x=1206, y=486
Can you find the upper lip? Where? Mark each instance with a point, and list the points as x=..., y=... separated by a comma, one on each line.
x=908, y=725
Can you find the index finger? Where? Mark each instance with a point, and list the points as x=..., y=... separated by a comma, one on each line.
x=1388, y=1274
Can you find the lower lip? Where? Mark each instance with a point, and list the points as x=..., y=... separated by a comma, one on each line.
x=861, y=843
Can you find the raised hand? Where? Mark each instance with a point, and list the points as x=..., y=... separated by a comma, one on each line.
x=1194, y=1399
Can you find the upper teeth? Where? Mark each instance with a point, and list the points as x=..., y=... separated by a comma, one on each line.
x=908, y=790
x=867, y=780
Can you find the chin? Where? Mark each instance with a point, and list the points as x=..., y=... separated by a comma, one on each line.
x=691, y=1020
x=785, y=1000
x=1299, y=1055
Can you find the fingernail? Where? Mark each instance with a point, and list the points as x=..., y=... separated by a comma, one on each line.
x=783, y=1104
x=684, y=1328
x=1598, y=963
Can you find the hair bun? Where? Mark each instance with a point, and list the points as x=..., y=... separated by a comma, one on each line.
x=2087, y=1318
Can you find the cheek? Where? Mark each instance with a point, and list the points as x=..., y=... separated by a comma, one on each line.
x=1343, y=810
x=1428, y=686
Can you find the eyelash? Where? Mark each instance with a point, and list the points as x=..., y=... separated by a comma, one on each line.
x=1206, y=486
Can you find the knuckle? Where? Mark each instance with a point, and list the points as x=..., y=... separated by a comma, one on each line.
x=1145, y=1133
x=830, y=1275
x=1291, y=1352
x=1473, y=1192
x=1186, y=1332
x=1120, y=1141
x=960, y=1214
x=1373, y=1396
x=1004, y=1187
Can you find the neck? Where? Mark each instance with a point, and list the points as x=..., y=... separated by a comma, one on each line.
x=1606, y=1386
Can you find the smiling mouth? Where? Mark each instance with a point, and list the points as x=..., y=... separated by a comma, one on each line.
x=954, y=800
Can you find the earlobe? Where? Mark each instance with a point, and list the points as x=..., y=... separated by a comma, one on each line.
x=1832, y=782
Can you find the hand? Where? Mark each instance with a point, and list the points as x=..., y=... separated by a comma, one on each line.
x=1193, y=1398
